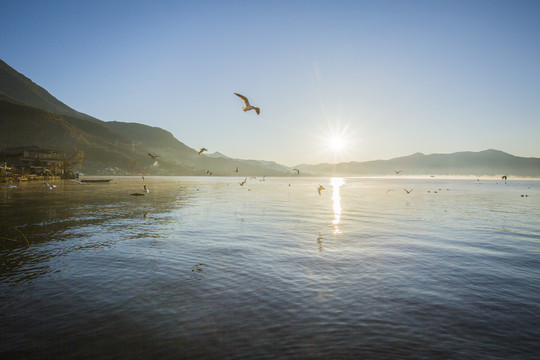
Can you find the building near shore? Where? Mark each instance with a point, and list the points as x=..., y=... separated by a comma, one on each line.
x=34, y=160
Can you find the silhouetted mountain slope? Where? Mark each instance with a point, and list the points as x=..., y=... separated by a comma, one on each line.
x=164, y=144
x=154, y=139
x=17, y=88
x=488, y=162
x=32, y=116
x=103, y=148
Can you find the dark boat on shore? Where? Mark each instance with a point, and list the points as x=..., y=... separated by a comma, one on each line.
x=95, y=180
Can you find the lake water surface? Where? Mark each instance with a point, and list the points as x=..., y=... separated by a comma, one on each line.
x=202, y=267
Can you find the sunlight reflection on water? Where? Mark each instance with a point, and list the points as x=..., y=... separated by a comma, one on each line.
x=206, y=268
x=336, y=201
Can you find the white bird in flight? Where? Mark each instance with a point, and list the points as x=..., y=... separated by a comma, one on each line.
x=248, y=105
x=48, y=185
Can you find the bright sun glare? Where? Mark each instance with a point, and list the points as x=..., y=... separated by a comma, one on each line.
x=336, y=143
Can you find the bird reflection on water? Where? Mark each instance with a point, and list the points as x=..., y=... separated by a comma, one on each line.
x=319, y=242
x=276, y=276
x=336, y=200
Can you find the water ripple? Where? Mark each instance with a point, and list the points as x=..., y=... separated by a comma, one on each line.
x=204, y=268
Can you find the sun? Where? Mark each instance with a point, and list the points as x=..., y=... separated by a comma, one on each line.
x=337, y=144
x=336, y=141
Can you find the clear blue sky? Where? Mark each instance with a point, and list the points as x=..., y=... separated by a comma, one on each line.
x=390, y=77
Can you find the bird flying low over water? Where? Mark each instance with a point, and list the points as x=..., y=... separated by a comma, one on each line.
x=397, y=171
x=408, y=191
x=320, y=189
x=153, y=156
x=49, y=186
x=243, y=182
x=248, y=105
x=201, y=151
x=297, y=171
x=504, y=177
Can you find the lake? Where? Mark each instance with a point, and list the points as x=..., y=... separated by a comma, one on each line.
x=202, y=267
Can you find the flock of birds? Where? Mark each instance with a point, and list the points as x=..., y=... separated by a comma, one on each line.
x=242, y=183
x=246, y=108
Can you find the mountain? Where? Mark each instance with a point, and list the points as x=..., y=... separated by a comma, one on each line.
x=155, y=139
x=217, y=155
x=17, y=88
x=32, y=116
x=483, y=163
x=103, y=148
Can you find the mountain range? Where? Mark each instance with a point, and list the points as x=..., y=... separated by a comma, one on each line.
x=482, y=163
x=31, y=116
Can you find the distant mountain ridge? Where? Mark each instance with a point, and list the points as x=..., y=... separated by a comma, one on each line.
x=484, y=163
x=29, y=115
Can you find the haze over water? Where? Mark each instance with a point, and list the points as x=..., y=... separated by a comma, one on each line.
x=206, y=268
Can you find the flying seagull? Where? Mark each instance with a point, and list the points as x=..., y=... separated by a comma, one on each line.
x=408, y=191
x=397, y=171
x=49, y=186
x=320, y=189
x=248, y=106
x=201, y=151
x=504, y=177
x=243, y=182
x=297, y=171
x=153, y=156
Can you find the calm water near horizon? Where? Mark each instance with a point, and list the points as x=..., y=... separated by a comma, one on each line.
x=202, y=267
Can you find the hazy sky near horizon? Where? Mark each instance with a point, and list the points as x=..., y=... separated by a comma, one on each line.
x=389, y=78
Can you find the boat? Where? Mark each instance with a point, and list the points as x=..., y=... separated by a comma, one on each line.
x=95, y=180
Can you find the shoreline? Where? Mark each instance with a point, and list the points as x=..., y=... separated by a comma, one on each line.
x=22, y=178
